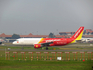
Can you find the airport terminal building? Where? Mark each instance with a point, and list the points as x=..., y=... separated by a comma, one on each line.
x=88, y=33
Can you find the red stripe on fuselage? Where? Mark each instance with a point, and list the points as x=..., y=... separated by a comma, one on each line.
x=57, y=41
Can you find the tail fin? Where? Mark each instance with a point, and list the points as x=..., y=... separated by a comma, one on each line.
x=78, y=34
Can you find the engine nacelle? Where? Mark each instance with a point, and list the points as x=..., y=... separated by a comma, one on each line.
x=37, y=45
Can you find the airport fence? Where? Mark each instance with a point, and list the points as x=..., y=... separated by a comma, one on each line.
x=10, y=55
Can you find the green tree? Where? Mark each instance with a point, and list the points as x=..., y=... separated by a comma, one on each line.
x=15, y=36
x=51, y=35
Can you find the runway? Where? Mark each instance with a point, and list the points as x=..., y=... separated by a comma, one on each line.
x=67, y=48
x=48, y=50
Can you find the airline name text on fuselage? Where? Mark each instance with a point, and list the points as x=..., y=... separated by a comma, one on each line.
x=53, y=40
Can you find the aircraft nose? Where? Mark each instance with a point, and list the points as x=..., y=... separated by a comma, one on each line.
x=14, y=42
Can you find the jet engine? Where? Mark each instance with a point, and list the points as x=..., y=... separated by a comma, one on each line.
x=37, y=45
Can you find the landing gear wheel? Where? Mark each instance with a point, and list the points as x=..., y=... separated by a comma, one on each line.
x=46, y=48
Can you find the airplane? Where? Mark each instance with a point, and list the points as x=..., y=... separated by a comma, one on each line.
x=47, y=42
x=87, y=40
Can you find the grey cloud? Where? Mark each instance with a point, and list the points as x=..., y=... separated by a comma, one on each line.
x=45, y=16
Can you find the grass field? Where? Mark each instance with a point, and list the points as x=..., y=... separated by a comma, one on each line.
x=27, y=63
x=45, y=65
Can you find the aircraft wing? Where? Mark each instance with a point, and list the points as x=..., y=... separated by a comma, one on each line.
x=46, y=44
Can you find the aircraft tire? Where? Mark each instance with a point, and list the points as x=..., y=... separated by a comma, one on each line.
x=46, y=48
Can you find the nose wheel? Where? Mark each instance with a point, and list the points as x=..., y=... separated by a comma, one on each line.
x=46, y=48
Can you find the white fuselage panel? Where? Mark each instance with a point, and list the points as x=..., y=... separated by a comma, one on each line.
x=27, y=41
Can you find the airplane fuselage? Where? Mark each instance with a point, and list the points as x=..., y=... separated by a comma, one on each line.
x=32, y=41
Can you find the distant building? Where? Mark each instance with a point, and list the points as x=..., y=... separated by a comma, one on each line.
x=87, y=33
x=3, y=35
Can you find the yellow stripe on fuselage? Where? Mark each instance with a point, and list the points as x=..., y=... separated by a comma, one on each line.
x=41, y=40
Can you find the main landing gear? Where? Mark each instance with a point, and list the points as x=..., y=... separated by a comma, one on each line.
x=46, y=48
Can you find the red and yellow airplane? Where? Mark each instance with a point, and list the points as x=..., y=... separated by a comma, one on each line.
x=41, y=42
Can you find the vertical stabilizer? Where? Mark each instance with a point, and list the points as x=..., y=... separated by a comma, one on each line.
x=78, y=34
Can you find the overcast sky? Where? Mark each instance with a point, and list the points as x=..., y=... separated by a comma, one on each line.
x=44, y=16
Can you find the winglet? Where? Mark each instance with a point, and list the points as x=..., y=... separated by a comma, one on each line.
x=78, y=34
